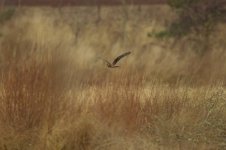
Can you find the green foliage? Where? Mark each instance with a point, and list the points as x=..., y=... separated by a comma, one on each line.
x=6, y=15
x=197, y=19
x=181, y=3
x=160, y=35
x=197, y=16
x=176, y=29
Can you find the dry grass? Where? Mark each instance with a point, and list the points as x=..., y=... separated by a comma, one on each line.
x=56, y=95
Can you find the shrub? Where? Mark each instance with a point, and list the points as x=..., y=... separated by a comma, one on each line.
x=196, y=20
x=6, y=14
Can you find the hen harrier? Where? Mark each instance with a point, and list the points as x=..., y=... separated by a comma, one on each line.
x=113, y=64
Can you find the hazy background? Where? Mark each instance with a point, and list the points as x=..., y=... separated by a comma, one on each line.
x=85, y=35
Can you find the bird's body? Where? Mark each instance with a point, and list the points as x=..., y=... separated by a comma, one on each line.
x=113, y=64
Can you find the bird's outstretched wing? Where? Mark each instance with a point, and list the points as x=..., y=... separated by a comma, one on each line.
x=119, y=57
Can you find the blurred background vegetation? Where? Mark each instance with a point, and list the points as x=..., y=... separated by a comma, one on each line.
x=55, y=94
x=196, y=20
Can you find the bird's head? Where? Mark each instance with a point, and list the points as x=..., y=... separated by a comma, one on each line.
x=109, y=65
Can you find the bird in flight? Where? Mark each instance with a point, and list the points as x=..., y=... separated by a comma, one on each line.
x=113, y=64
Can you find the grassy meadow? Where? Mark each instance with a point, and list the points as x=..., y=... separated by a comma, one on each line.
x=57, y=94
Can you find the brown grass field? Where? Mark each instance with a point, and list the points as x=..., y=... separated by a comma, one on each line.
x=56, y=94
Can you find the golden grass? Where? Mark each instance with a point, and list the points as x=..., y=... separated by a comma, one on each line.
x=56, y=95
